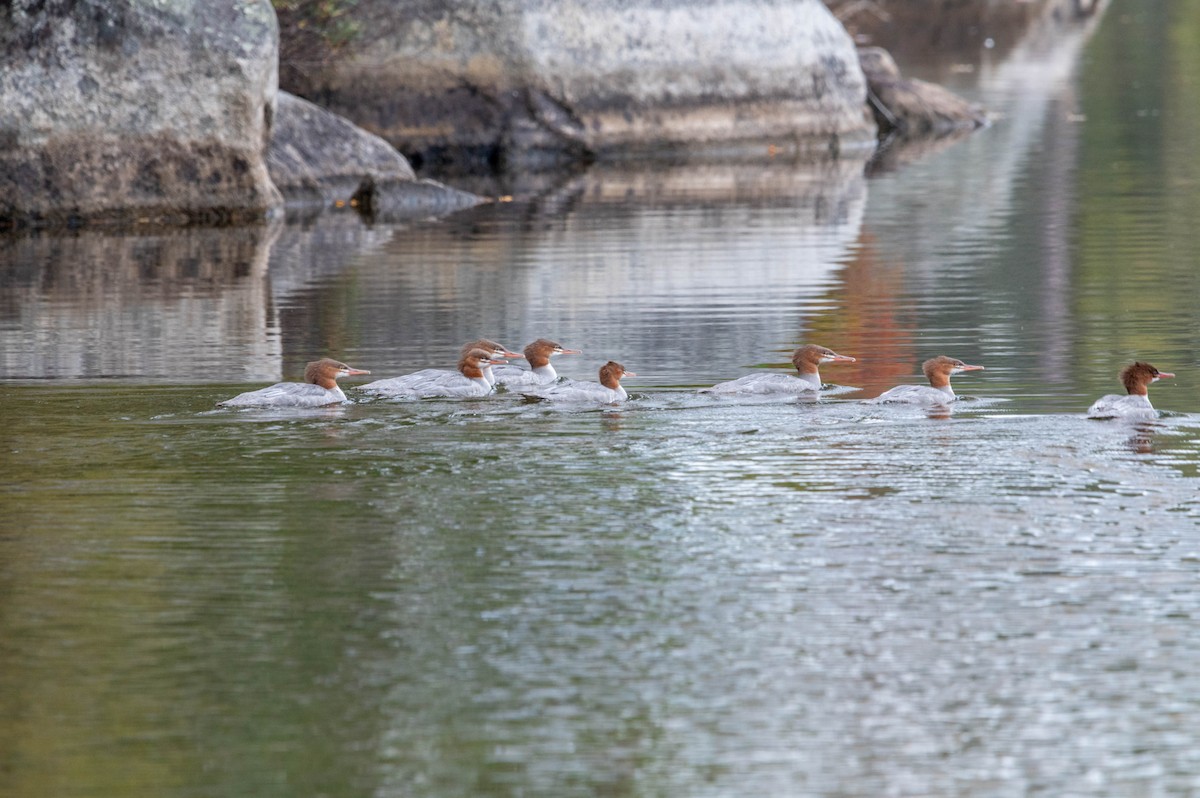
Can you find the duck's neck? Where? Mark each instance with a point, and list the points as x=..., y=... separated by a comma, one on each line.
x=545, y=371
x=811, y=377
x=488, y=375
x=473, y=373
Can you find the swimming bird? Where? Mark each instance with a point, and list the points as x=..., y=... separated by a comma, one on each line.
x=467, y=381
x=938, y=392
x=806, y=380
x=495, y=351
x=319, y=388
x=541, y=370
x=608, y=391
x=1136, y=377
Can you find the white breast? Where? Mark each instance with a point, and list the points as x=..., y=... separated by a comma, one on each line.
x=915, y=395
x=516, y=377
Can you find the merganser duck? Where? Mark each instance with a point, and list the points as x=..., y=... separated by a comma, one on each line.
x=807, y=379
x=496, y=352
x=540, y=372
x=938, y=392
x=1136, y=377
x=468, y=381
x=319, y=388
x=608, y=391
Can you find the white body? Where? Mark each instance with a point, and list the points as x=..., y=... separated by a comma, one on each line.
x=515, y=378
x=769, y=384
x=1114, y=406
x=584, y=392
x=288, y=394
x=429, y=384
x=916, y=395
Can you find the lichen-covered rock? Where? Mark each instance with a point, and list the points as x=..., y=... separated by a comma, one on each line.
x=535, y=80
x=136, y=110
x=317, y=158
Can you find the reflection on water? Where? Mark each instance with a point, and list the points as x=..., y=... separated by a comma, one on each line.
x=688, y=595
x=674, y=281
x=195, y=305
x=179, y=304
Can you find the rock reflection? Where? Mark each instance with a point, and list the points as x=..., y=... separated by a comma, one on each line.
x=973, y=194
x=318, y=249
x=181, y=304
x=195, y=304
x=827, y=191
x=317, y=309
x=662, y=264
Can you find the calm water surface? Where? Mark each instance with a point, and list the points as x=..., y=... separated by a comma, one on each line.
x=683, y=596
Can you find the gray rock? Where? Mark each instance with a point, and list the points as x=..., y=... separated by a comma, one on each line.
x=317, y=158
x=532, y=81
x=131, y=111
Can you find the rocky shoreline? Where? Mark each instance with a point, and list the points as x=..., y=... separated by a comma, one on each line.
x=134, y=112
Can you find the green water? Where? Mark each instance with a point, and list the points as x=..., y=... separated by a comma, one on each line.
x=673, y=598
x=682, y=596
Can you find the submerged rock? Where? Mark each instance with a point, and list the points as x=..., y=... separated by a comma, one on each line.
x=536, y=82
x=912, y=108
x=136, y=111
x=317, y=158
x=393, y=200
